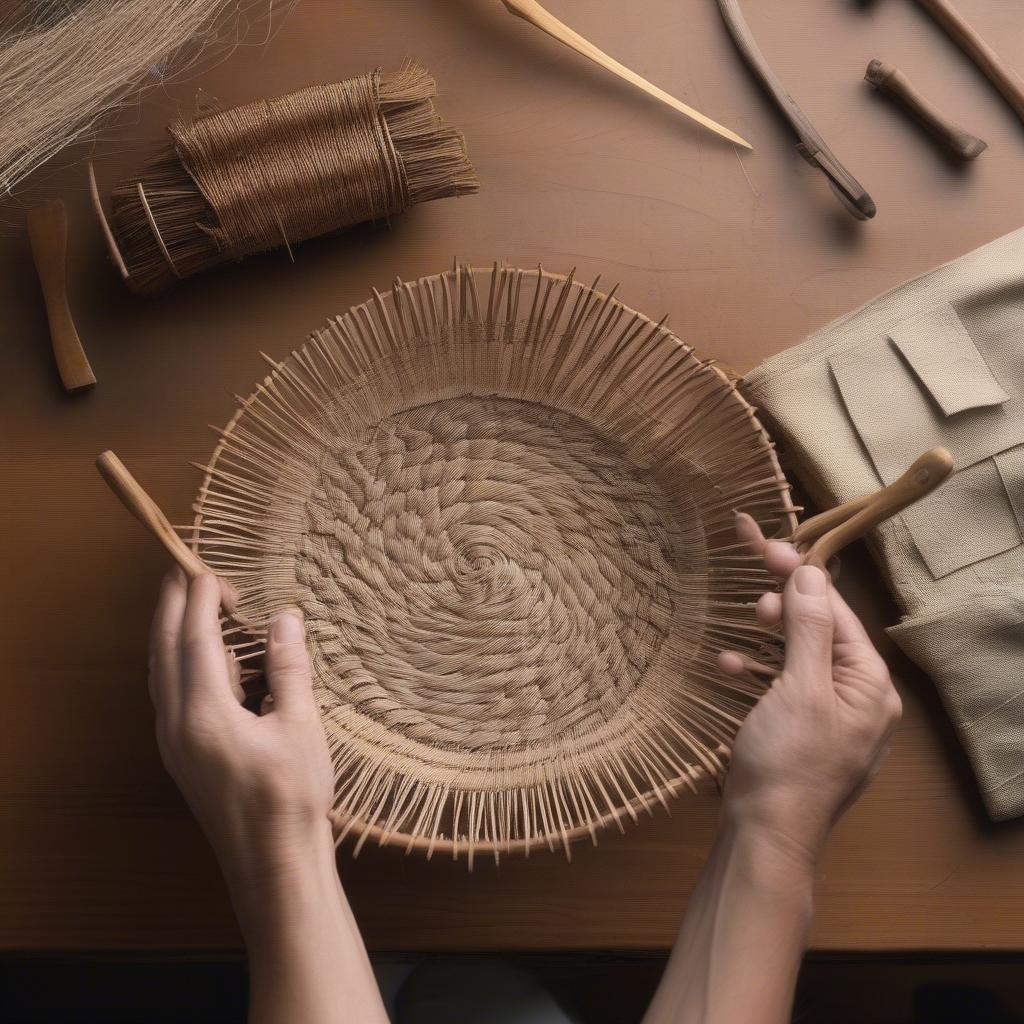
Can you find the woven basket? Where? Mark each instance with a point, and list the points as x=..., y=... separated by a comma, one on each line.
x=504, y=502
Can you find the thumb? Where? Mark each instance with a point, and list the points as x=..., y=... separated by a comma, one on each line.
x=289, y=677
x=807, y=618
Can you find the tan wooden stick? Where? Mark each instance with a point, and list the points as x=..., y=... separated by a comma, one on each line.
x=999, y=73
x=108, y=234
x=48, y=235
x=892, y=82
x=531, y=11
x=145, y=509
x=827, y=534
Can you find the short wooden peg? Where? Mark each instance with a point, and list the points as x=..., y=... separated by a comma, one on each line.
x=48, y=234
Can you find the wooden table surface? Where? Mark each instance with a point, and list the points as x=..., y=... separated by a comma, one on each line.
x=746, y=252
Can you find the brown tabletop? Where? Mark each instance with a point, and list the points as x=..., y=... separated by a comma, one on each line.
x=746, y=252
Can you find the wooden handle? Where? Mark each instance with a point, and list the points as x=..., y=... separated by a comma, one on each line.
x=48, y=235
x=892, y=82
x=831, y=531
x=812, y=146
x=531, y=11
x=1002, y=76
x=145, y=509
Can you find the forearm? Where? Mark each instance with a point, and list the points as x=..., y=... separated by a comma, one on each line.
x=739, y=949
x=307, y=961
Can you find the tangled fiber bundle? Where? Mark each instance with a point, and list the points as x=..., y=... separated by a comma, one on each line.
x=504, y=502
x=279, y=171
x=63, y=65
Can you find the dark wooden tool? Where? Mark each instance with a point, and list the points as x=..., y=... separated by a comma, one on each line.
x=1002, y=76
x=822, y=537
x=812, y=146
x=48, y=235
x=134, y=498
x=892, y=82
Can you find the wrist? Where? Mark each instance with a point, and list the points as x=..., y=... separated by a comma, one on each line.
x=282, y=877
x=793, y=825
x=772, y=857
x=275, y=848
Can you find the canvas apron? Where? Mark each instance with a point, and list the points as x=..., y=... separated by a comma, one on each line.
x=937, y=361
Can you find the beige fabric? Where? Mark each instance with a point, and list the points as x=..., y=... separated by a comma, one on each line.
x=939, y=360
x=948, y=363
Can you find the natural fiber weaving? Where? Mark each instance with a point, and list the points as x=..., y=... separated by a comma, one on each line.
x=279, y=171
x=65, y=64
x=504, y=502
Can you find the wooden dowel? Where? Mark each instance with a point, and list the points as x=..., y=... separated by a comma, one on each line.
x=536, y=15
x=999, y=73
x=892, y=82
x=831, y=531
x=108, y=234
x=48, y=235
x=145, y=509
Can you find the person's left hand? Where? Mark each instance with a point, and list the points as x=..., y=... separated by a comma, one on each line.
x=260, y=784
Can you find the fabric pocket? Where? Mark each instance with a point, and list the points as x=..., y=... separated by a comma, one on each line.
x=973, y=649
x=923, y=384
x=947, y=362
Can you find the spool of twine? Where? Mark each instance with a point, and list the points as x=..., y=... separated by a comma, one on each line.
x=278, y=171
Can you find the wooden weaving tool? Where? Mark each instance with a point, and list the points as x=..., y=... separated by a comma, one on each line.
x=812, y=146
x=531, y=11
x=823, y=536
x=892, y=82
x=134, y=498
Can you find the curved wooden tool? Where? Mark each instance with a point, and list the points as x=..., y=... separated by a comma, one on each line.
x=812, y=146
x=892, y=82
x=531, y=11
x=145, y=509
x=999, y=73
x=48, y=235
x=823, y=536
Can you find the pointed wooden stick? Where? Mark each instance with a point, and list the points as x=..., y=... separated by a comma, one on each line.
x=531, y=11
x=145, y=509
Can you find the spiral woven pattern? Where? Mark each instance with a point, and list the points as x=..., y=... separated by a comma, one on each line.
x=489, y=573
x=504, y=502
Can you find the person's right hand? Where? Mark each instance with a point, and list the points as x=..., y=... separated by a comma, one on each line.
x=821, y=731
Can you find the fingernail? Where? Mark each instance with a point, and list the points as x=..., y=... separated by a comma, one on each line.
x=288, y=626
x=809, y=580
